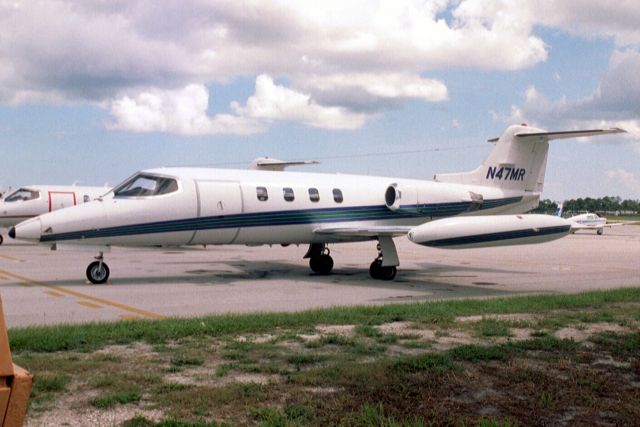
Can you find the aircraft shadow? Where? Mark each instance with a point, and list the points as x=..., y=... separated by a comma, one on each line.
x=408, y=279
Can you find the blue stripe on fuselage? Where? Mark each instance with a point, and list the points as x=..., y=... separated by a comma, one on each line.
x=279, y=218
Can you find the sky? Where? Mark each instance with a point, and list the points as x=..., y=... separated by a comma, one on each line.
x=93, y=90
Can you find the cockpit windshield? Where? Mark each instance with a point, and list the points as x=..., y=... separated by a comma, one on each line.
x=22, y=194
x=143, y=185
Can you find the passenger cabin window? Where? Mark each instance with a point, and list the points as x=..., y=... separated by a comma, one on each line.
x=337, y=195
x=314, y=196
x=262, y=194
x=288, y=194
x=22, y=194
x=146, y=185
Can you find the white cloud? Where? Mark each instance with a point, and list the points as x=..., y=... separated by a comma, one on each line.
x=351, y=59
x=625, y=179
x=184, y=111
x=615, y=103
x=95, y=50
x=276, y=102
x=383, y=85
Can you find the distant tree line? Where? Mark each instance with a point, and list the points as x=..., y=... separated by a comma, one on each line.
x=605, y=204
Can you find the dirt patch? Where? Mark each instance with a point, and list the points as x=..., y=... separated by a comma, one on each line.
x=519, y=334
x=190, y=376
x=454, y=339
x=251, y=378
x=137, y=349
x=587, y=330
x=258, y=339
x=511, y=316
x=344, y=330
x=406, y=328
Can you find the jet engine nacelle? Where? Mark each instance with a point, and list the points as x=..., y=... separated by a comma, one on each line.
x=420, y=199
x=484, y=231
x=396, y=197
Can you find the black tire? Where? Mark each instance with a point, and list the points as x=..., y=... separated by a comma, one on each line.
x=378, y=272
x=600, y=231
x=388, y=273
x=1, y=239
x=374, y=269
x=321, y=264
x=95, y=274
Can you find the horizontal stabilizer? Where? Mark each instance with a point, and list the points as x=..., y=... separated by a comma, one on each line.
x=267, y=164
x=570, y=133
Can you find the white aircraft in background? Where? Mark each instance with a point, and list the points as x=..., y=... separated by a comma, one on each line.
x=202, y=206
x=33, y=200
x=587, y=221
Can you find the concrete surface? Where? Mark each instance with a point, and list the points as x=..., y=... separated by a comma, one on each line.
x=40, y=286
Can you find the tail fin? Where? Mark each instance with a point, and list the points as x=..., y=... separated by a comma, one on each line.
x=518, y=160
x=559, y=210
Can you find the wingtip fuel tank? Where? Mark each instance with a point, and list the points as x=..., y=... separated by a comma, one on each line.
x=485, y=231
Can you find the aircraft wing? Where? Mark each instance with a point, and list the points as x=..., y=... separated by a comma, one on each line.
x=372, y=231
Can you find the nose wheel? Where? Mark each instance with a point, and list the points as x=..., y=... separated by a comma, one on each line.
x=98, y=271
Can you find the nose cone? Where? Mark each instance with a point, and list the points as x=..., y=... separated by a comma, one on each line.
x=27, y=230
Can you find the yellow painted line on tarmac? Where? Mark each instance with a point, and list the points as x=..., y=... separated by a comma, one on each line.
x=130, y=317
x=89, y=304
x=10, y=258
x=32, y=282
x=54, y=294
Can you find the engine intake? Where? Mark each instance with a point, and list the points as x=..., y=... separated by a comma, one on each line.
x=392, y=197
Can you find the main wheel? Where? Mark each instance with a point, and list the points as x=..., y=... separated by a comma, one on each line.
x=600, y=231
x=378, y=272
x=1, y=239
x=374, y=269
x=97, y=273
x=321, y=264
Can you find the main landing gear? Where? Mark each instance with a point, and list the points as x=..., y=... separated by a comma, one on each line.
x=384, y=267
x=319, y=259
x=98, y=271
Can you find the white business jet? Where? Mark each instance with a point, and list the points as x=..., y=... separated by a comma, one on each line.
x=201, y=206
x=33, y=200
x=588, y=221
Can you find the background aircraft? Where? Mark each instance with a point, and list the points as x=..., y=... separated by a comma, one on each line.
x=33, y=200
x=200, y=206
x=587, y=221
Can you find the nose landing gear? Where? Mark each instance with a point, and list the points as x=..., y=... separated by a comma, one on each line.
x=98, y=271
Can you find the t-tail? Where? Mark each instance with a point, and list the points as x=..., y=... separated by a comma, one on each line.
x=518, y=159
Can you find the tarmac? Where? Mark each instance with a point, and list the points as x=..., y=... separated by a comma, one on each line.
x=40, y=286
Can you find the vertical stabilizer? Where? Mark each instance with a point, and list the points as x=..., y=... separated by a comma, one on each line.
x=518, y=159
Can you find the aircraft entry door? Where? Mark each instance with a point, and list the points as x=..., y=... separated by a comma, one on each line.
x=217, y=201
x=61, y=199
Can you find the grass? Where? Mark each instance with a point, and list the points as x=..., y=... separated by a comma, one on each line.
x=111, y=399
x=93, y=336
x=493, y=328
x=363, y=377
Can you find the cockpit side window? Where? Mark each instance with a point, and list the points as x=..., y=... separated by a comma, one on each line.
x=22, y=194
x=144, y=185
